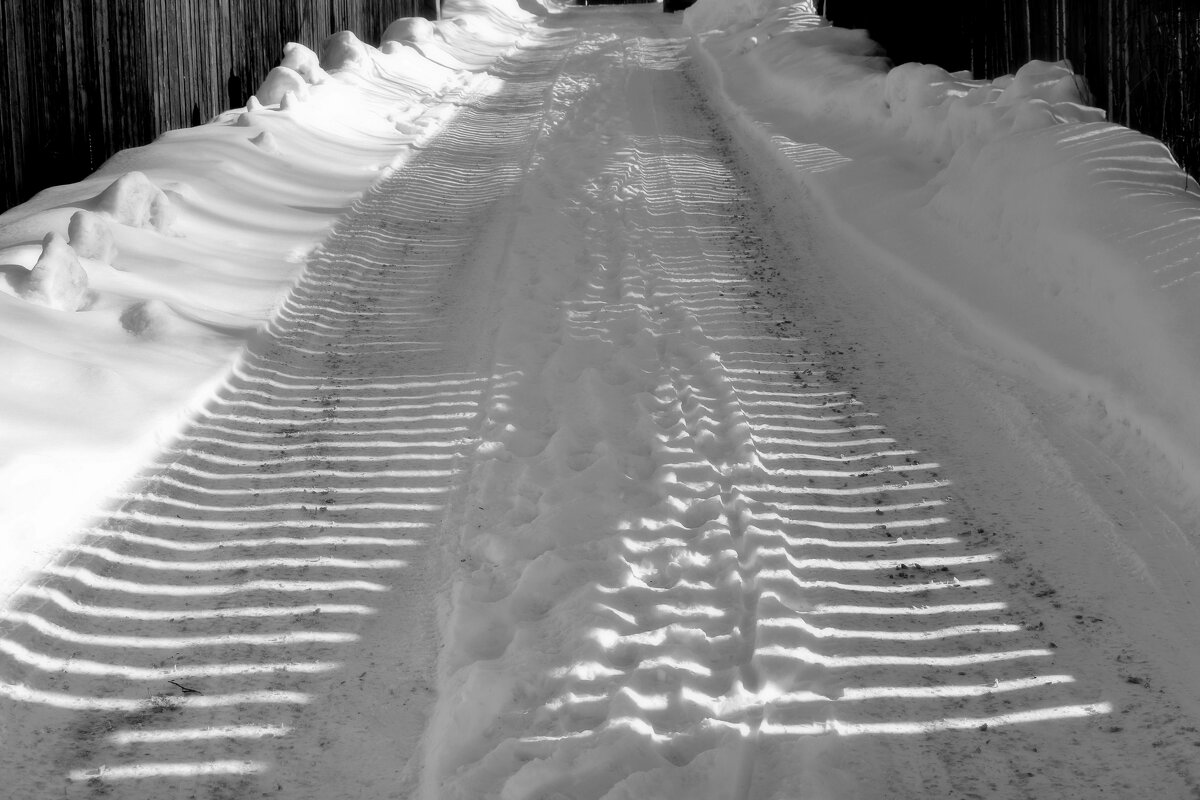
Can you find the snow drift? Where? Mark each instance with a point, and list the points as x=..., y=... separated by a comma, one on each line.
x=1084, y=236
x=124, y=297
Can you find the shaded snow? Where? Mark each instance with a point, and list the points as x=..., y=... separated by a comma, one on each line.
x=1071, y=245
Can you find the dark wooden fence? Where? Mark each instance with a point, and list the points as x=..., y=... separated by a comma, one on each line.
x=82, y=79
x=1141, y=58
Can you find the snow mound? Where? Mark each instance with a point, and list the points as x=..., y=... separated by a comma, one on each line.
x=290, y=101
x=266, y=142
x=345, y=51
x=134, y=200
x=57, y=280
x=279, y=82
x=90, y=237
x=150, y=319
x=305, y=62
x=410, y=30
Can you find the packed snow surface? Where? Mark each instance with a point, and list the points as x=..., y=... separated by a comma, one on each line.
x=604, y=404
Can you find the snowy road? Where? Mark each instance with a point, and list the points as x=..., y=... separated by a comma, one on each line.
x=544, y=483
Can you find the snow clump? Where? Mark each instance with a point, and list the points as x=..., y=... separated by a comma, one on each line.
x=90, y=237
x=345, y=51
x=57, y=280
x=305, y=62
x=410, y=30
x=134, y=200
x=279, y=82
x=267, y=143
x=149, y=319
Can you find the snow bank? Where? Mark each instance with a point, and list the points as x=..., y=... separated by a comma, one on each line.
x=843, y=75
x=170, y=256
x=1084, y=236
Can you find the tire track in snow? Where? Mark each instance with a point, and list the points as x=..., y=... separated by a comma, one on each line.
x=257, y=618
x=698, y=560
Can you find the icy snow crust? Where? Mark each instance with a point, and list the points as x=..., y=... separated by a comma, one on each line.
x=125, y=296
x=1076, y=242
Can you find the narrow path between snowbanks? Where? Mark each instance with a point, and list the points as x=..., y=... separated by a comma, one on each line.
x=257, y=618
